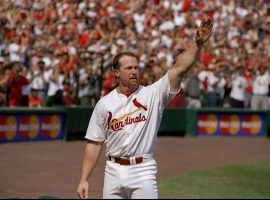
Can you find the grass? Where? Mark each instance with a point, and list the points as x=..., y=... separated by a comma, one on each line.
x=237, y=181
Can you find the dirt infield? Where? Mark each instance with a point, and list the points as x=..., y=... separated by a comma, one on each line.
x=34, y=169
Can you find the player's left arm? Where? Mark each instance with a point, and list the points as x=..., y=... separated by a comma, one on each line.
x=185, y=60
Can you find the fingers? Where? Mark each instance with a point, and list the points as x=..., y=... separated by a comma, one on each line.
x=198, y=33
x=82, y=193
x=86, y=194
x=204, y=31
x=206, y=26
x=204, y=22
x=207, y=22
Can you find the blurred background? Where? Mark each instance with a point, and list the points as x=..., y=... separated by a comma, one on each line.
x=60, y=52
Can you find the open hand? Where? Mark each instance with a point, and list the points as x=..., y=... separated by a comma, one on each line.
x=204, y=31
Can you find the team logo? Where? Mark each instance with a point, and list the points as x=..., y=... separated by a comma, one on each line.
x=51, y=126
x=28, y=127
x=138, y=104
x=8, y=127
x=117, y=124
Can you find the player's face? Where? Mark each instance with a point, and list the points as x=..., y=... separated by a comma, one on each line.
x=128, y=73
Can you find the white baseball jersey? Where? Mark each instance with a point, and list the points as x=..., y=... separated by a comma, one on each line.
x=129, y=125
x=261, y=84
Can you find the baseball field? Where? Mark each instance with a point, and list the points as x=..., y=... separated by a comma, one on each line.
x=188, y=167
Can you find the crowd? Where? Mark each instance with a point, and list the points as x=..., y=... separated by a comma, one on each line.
x=60, y=52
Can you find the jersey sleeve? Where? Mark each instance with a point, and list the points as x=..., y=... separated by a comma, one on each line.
x=162, y=91
x=96, y=126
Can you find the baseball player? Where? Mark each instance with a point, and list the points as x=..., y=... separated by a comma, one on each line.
x=127, y=121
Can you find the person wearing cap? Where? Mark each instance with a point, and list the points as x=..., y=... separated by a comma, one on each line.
x=260, y=88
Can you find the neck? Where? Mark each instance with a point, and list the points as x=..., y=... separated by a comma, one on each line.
x=126, y=90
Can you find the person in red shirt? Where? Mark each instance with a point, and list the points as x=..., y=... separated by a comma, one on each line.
x=34, y=100
x=108, y=82
x=249, y=75
x=16, y=82
x=3, y=82
x=68, y=98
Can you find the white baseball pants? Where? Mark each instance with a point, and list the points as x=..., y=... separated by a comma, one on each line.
x=137, y=181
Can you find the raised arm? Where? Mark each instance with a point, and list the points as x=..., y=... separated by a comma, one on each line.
x=91, y=156
x=186, y=59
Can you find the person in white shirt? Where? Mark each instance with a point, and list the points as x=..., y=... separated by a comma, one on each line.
x=87, y=91
x=36, y=77
x=239, y=84
x=261, y=83
x=215, y=85
x=127, y=121
x=55, y=86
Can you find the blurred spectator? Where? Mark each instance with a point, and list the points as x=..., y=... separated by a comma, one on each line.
x=34, y=100
x=68, y=94
x=239, y=85
x=36, y=78
x=108, y=82
x=25, y=88
x=55, y=88
x=3, y=82
x=227, y=90
x=214, y=83
x=178, y=101
x=193, y=90
x=249, y=75
x=87, y=89
x=15, y=84
x=260, y=89
x=67, y=33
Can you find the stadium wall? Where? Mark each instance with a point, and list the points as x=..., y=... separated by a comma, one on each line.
x=70, y=123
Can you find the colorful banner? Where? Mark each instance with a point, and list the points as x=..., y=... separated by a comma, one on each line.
x=231, y=124
x=16, y=128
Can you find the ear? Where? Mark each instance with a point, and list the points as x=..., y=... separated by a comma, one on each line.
x=117, y=73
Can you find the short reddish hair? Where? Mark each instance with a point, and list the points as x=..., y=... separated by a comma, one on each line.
x=116, y=60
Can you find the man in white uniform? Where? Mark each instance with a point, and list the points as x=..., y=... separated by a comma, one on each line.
x=127, y=121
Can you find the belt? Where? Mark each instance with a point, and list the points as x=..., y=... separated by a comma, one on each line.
x=127, y=161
